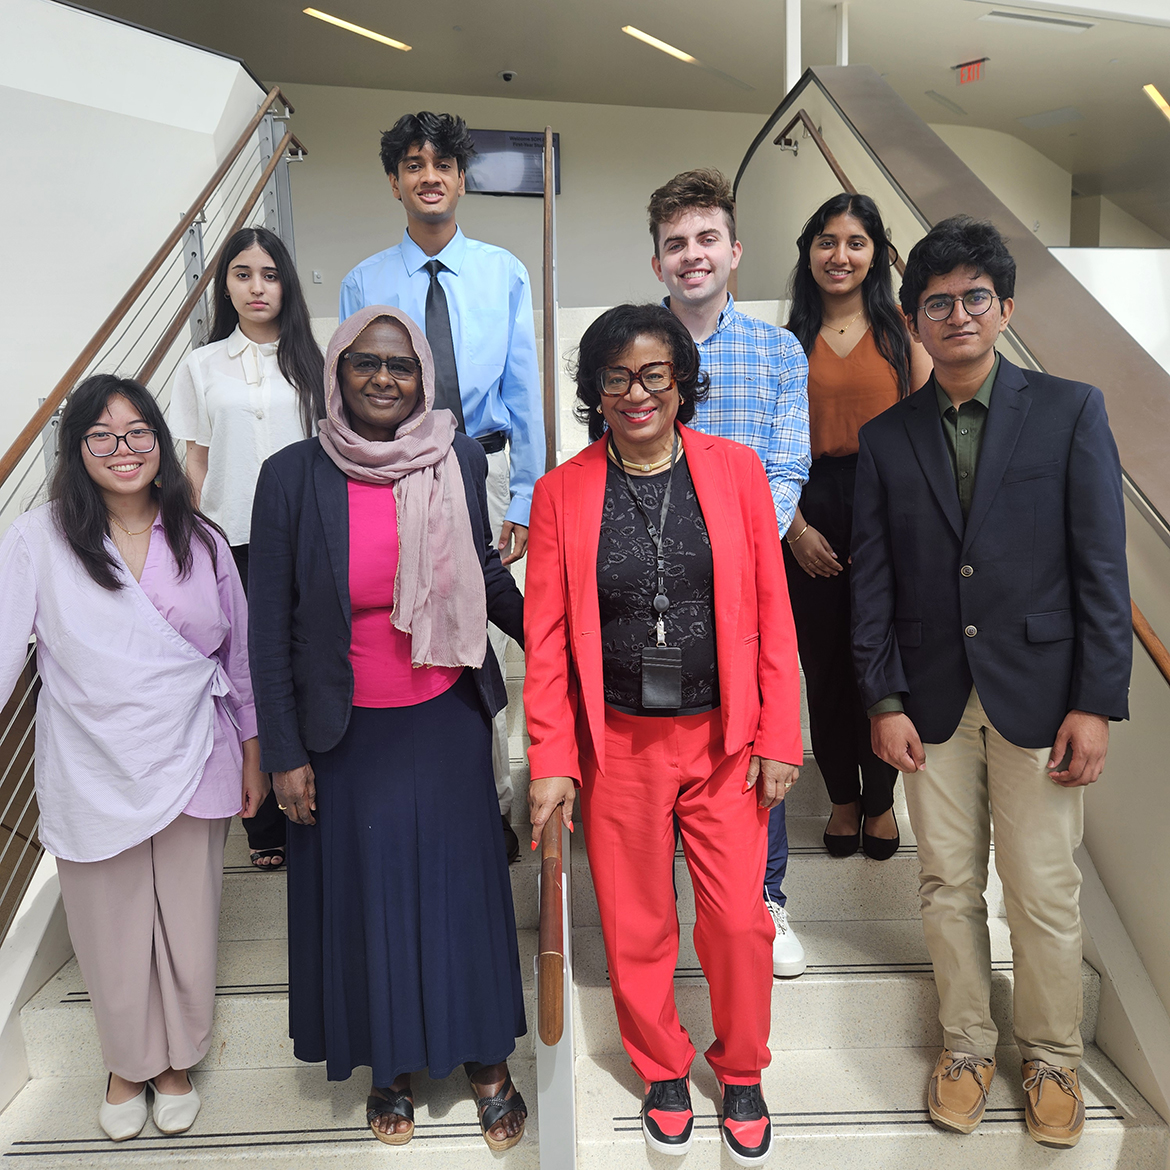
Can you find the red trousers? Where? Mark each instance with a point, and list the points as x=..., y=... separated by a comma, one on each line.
x=656, y=769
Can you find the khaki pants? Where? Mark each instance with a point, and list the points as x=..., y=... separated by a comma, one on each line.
x=975, y=776
x=145, y=928
x=498, y=500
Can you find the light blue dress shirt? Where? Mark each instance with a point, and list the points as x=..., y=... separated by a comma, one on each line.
x=490, y=303
x=759, y=397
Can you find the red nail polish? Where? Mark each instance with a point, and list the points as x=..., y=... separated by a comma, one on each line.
x=746, y=787
x=533, y=844
x=571, y=827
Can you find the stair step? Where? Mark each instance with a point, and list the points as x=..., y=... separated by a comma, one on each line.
x=819, y=887
x=869, y=985
x=267, y=1119
x=823, y=1102
x=250, y=1030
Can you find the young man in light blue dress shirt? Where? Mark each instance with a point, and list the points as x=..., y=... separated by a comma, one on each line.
x=759, y=397
x=484, y=320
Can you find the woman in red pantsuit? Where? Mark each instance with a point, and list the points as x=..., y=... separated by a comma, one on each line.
x=662, y=679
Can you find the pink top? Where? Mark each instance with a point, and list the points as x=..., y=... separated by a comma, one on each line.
x=379, y=653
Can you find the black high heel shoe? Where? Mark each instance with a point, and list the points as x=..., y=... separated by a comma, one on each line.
x=881, y=848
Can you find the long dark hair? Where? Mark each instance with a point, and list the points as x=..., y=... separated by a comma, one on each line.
x=297, y=353
x=78, y=505
x=806, y=316
x=620, y=327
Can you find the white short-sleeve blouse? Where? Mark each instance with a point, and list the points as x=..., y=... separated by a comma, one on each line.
x=231, y=398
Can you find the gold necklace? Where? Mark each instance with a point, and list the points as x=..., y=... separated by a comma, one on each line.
x=645, y=467
x=851, y=320
x=140, y=531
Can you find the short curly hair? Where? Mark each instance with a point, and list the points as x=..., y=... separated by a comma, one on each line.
x=958, y=242
x=447, y=134
x=705, y=189
x=614, y=331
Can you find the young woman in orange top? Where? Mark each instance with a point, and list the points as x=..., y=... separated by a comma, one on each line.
x=860, y=362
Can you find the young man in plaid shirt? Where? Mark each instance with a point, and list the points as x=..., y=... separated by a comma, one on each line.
x=759, y=397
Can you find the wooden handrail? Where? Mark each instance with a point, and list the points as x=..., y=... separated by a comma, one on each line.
x=147, y=370
x=40, y=418
x=783, y=140
x=550, y=347
x=1150, y=641
x=550, y=977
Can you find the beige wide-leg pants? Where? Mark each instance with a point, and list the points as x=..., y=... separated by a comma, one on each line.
x=145, y=928
x=974, y=777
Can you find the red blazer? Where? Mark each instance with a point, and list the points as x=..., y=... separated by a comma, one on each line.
x=759, y=680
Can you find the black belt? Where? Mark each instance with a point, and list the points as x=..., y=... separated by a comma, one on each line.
x=494, y=442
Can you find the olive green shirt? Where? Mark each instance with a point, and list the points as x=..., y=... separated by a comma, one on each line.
x=963, y=428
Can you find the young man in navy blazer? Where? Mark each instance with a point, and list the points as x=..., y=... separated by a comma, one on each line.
x=993, y=645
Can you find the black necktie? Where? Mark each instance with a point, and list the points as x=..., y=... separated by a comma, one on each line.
x=439, y=335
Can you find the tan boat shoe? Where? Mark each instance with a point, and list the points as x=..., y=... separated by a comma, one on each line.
x=1053, y=1106
x=957, y=1093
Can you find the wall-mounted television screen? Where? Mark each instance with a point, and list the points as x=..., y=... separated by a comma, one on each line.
x=510, y=162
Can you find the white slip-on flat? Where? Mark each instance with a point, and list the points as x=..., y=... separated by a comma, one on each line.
x=175, y=1112
x=125, y=1121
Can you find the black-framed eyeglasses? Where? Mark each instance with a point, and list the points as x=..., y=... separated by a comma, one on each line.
x=367, y=365
x=976, y=302
x=140, y=441
x=653, y=377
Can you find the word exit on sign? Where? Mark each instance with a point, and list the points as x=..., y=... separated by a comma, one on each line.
x=970, y=71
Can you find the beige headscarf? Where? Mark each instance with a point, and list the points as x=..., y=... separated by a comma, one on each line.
x=439, y=597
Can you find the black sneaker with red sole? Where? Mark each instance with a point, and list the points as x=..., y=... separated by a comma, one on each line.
x=668, y=1124
x=746, y=1127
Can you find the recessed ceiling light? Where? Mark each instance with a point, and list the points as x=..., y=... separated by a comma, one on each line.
x=356, y=28
x=655, y=43
x=954, y=107
x=1052, y=118
x=1151, y=91
x=1059, y=23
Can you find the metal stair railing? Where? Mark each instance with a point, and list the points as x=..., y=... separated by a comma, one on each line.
x=141, y=338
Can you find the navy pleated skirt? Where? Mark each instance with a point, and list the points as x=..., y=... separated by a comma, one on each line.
x=401, y=934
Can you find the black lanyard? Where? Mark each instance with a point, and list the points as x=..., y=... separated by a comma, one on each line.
x=661, y=601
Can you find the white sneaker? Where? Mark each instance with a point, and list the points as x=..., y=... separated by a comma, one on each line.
x=787, y=954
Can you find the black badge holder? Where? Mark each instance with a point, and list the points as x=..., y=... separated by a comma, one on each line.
x=661, y=664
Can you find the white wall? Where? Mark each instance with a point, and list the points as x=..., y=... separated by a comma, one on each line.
x=612, y=158
x=109, y=133
x=1034, y=189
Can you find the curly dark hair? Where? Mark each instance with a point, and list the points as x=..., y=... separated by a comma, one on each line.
x=619, y=328
x=877, y=294
x=447, y=134
x=705, y=189
x=958, y=242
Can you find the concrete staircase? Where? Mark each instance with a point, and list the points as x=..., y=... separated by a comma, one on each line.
x=853, y=1042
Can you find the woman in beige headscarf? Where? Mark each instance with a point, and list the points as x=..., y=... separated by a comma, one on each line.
x=373, y=577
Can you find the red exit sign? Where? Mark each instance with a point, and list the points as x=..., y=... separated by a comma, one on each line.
x=970, y=71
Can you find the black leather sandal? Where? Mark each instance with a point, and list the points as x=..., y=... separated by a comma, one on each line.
x=492, y=1109
x=396, y=1104
x=276, y=854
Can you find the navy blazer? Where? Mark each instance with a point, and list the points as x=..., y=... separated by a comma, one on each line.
x=299, y=607
x=1029, y=599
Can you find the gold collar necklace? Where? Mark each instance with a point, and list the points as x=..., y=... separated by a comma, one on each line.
x=643, y=467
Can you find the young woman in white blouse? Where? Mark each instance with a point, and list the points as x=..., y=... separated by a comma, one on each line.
x=254, y=388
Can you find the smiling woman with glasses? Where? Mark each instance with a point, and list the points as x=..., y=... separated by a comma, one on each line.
x=146, y=733
x=662, y=681
x=374, y=578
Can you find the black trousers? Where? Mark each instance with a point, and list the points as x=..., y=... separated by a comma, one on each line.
x=821, y=608
x=266, y=829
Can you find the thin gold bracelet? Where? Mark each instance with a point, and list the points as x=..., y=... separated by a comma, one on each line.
x=794, y=539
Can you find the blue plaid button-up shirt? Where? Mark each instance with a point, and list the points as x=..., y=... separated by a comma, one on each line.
x=759, y=397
